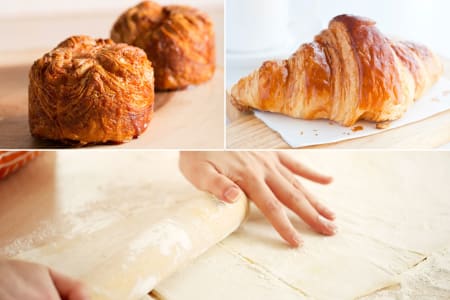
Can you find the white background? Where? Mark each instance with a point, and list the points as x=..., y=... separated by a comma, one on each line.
x=39, y=25
x=19, y=8
x=426, y=21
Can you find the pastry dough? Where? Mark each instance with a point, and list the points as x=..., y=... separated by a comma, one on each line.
x=350, y=72
x=178, y=40
x=119, y=232
x=392, y=212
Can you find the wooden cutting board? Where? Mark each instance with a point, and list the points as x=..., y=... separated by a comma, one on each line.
x=120, y=222
x=193, y=118
x=245, y=131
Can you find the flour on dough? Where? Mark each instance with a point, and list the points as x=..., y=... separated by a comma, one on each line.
x=392, y=213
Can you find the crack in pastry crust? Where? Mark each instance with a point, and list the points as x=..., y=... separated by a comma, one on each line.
x=91, y=91
x=178, y=40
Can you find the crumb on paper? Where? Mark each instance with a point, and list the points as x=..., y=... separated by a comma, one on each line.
x=315, y=130
x=383, y=125
x=357, y=128
x=446, y=93
x=435, y=100
x=316, y=134
x=301, y=132
x=330, y=123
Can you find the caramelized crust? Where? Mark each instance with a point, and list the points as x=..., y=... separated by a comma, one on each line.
x=91, y=91
x=350, y=72
x=178, y=40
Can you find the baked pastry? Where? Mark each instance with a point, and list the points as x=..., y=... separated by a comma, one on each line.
x=178, y=40
x=350, y=72
x=11, y=161
x=91, y=91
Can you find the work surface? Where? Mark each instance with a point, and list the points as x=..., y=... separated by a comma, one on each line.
x=393, y=217
x=193, y=118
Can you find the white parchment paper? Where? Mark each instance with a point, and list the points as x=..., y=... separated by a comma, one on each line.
x=301, y=133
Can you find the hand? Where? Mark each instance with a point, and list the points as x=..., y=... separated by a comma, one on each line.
x=268, y=179
x=21, y=280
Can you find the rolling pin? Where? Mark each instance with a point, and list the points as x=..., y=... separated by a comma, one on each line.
x=126, y=260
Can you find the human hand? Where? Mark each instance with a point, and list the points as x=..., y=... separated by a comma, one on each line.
x=21, y=280
x=268, y=179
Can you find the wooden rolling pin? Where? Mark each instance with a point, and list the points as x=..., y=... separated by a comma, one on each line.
x=120, y=222
x=127, y=259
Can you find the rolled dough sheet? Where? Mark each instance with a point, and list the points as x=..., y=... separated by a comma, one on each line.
x=393, y=212
x=429, y=280
x=121, y=222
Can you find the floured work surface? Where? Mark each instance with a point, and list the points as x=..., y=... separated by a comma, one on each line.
x=393, y=212
x=120, y=222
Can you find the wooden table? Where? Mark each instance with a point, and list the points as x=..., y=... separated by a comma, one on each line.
x=193, y=118
x=245, y=131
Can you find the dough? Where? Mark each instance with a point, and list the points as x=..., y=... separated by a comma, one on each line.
x=429, y=280
x=393, y=212
x=120, y=222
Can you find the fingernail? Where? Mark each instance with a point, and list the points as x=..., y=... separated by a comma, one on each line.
x=328, y=224
x=298, y=240
x=330, y=213
x=231, y=194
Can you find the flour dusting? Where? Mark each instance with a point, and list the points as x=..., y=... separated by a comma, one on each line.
x=40, y=235
x=429, y=280
x=169, y=236
x=143, y=286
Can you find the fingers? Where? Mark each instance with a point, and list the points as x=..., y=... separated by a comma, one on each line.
x=297, y=201
x=68, y=288
x=320, y=208
x=206, y=178
x=272, y=209
x=301, y=170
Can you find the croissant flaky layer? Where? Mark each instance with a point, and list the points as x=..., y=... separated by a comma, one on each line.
x=178, y=40
x=350, y=72
x=91, y=91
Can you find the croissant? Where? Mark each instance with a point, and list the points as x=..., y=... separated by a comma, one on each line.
x=90, y=91
x=178, y=40
x=350, y=72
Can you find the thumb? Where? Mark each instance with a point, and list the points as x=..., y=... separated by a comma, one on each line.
x=68, y=288
x=206, y=178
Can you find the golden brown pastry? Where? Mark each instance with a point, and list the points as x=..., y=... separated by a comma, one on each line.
x=11, y=161
x=91, y=91
x=351, y=71
x=178, y=40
